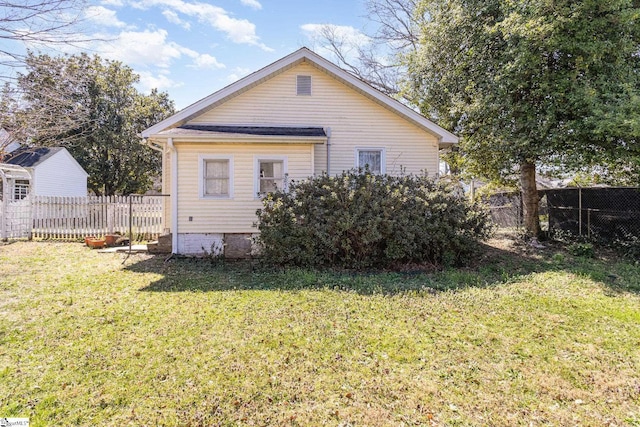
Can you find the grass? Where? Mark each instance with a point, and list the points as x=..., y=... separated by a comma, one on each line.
x=520, y=338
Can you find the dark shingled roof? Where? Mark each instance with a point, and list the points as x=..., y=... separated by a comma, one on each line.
x=30, y=156
x=259, y=130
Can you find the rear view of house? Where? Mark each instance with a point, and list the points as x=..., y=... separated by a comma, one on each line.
x=298, y=117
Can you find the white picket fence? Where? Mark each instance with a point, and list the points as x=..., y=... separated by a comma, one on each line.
x=72, y=218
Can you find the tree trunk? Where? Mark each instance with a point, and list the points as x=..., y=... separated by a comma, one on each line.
x=530, y=199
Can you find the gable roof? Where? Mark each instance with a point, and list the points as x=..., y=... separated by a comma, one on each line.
x=28, y=157
x=302, y=55
x=31, y=157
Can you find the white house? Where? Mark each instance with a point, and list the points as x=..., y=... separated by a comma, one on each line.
x=298, y=117
x=43, y=171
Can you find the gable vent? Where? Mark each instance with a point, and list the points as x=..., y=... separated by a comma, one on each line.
x=304, y=85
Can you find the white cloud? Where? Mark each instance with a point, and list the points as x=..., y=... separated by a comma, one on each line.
x=148, y=48
x=239, y=31
x=116, y=3
x=150, y=81
x=103, y=16
x=343, y=33
x=152, y=49
x=252, y=3
x=349, y=39
x=237, y=74
x=206, y=61
x=175, y=19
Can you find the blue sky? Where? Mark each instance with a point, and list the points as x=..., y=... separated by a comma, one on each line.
x=191, y=48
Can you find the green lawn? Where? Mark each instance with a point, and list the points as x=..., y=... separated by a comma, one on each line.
x=519, y=339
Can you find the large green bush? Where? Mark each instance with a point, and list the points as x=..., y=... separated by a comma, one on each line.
x=359, y=220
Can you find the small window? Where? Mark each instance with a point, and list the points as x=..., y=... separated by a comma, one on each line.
x=271, y=175
x=216, y=178
x=20, y=189
x=304, y=85
x=372, y=159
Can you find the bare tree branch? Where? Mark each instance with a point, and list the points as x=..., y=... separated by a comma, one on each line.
x=376, y=58
x=34, y=24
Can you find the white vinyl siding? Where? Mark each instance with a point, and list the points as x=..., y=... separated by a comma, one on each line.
x=59, y=175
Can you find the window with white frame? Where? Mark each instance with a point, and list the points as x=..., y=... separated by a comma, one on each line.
x=371, y=158
x=271, y=174
x=216, y=175
x=20, y=189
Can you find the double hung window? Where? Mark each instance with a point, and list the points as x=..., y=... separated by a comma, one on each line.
x=217, y=177
x=271, y=174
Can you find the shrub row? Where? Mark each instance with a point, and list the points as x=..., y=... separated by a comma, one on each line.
x=358, y=220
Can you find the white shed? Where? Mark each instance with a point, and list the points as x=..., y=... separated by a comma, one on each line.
x=53, y=170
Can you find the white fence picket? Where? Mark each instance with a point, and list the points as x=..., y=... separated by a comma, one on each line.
x=72, y=218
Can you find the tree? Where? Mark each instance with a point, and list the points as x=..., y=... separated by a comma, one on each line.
x=91, y=107
x=531, y=82
x=374, y=58
x=36, y=23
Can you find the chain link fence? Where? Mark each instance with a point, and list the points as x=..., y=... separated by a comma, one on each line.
x=603, y=214
x=506, y=209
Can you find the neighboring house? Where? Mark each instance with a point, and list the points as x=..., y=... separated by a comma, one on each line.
x=43, y=171
x=298, y=117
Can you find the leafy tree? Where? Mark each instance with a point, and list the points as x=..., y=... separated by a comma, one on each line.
x=91, y=107
x=534, y=82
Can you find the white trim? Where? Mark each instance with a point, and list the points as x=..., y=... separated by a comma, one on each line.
x=301, y=55
x=383, y=157
x=174, y=196
x=256, y=170
x=201, y=160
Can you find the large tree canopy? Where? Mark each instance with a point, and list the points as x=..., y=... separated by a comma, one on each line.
x=531, y=82
x=91, y=107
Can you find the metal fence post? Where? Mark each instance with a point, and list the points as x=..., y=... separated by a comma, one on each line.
x=580, y=211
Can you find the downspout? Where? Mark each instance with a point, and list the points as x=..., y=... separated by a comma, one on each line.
x=328, y=132
x=3, y=214
x=174, y=196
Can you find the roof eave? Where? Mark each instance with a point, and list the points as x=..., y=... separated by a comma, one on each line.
x=243, y=138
